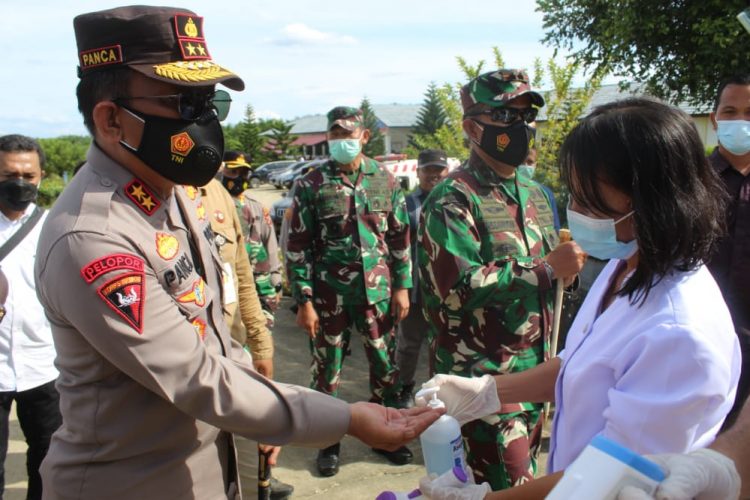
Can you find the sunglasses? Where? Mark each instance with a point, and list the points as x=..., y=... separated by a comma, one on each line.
x=509, y=115
x=192, y=106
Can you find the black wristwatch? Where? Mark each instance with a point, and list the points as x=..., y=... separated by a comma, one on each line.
x=304, y=299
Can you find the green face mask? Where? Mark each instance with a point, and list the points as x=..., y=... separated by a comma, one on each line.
x=344, y=150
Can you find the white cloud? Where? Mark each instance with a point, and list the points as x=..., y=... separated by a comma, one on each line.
x=301, y=34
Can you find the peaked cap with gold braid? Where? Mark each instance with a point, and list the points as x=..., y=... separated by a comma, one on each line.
x=164, y=43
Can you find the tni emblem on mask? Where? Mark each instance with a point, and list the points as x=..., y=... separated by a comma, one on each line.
x=181, y=145
x=502, y=142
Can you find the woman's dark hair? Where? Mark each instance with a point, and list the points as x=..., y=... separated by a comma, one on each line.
x=651, y=152
x=97, y=86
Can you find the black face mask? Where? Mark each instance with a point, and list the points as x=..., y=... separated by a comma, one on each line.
x=509, y=145
x=17, y=194
x=183, y=151
x=235, y=185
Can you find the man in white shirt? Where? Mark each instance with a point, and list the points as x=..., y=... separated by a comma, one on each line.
x=27, y=353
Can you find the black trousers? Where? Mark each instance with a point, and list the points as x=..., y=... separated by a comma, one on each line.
x=38, y=412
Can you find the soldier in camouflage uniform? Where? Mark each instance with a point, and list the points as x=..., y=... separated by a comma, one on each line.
x=260, y=237
x=487, y=259
x=349, y=266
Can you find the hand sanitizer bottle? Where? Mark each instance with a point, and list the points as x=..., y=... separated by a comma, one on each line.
x=442, y=444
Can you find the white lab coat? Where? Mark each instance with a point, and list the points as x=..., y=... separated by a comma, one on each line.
x=656, y=378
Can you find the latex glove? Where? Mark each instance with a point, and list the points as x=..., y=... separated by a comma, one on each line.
x=465, y=398
x=703, y=474
x=448, y=487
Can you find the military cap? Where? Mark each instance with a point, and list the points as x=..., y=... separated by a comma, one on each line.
x=345, y=117
x=497, y=88
x=432, y=157
x=236, y=160
x=163, y=43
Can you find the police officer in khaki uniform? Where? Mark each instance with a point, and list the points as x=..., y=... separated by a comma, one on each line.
x=260, y=237
x=240, y=296
x=152, y=387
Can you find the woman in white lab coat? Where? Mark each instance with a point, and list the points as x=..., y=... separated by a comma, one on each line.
x=651, y=360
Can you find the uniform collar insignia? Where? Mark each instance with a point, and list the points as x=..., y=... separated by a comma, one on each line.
x=142, y=197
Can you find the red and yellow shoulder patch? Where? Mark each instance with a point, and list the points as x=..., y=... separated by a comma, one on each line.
x=142, y=197
x=125, y=295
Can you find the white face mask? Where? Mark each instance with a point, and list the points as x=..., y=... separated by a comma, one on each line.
x=734, y=135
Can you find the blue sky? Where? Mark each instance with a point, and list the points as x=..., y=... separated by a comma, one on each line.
x=296, y=57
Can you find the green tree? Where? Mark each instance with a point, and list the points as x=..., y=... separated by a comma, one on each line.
x=450, y=136
x=564, y=105
x=279, y=139
x=680, y=49
x=431, y=115
x=376, y=145
x=64, y=153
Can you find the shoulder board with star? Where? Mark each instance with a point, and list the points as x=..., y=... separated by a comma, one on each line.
x=142, y=197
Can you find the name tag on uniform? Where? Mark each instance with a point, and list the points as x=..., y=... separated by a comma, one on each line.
x=227, y=278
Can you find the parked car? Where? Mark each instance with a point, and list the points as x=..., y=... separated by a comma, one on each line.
x=260, y=174
x=295, y=173
x=279, y=207
x=274, y=176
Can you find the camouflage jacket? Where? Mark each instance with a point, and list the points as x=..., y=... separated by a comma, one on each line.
x=261, y=244
x=348, y=243
x=484, y=286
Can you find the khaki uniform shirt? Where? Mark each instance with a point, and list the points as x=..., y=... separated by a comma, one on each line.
x=249, y=326
x=151, y=384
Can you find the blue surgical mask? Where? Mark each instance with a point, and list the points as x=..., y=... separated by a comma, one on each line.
x=526, y=170
x=344, y=150
x=597, y=237
x=734, y=135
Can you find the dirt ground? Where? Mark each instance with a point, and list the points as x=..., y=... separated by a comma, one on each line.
x=363, y=473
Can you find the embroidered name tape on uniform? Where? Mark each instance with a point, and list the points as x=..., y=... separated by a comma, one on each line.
x=100, y=57
x=125, y=295
x=109, y=263
x=142, y=197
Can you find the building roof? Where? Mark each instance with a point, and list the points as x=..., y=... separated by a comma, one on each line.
x=388, y=115
x=405, y=115
x=609, y=93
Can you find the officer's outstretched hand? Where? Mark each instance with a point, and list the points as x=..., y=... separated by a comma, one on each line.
x=567, y=260
x=388, y=428
x=307, y=319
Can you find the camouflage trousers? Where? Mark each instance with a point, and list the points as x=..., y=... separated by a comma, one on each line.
x=269, y=310
x=503, y=449
x=331, y=345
